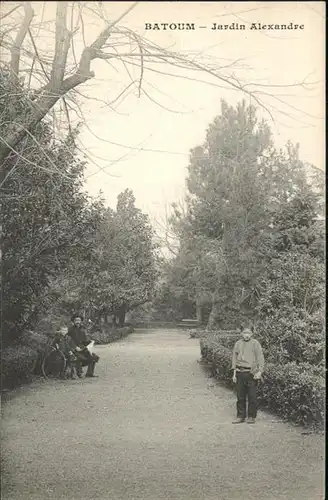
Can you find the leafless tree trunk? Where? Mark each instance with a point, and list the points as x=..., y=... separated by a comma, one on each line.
x=58, y=86
x=16, y=48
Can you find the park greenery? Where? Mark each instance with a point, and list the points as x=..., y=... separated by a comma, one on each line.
x=249, y=238
x=62, y=250
x=251, y=235
x=251, y=250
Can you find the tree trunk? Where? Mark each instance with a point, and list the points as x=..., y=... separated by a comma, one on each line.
x=201, y=299
x=199, y=312
x=17, y=131
x=20, y=37
x=121, y=315
x=214, y=318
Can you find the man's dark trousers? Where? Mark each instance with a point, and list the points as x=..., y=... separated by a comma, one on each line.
x=92, y=363
x=246, y=387
x=86, y=359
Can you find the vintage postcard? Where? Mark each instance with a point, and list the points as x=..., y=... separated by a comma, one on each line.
x=162, y=250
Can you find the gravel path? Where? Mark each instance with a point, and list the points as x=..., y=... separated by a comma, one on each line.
x=151, y=427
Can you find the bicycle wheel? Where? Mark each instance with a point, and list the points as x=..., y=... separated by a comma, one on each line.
x=54, y=364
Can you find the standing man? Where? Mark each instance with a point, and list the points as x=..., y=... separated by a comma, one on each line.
x=247, y=365
x=80, y=339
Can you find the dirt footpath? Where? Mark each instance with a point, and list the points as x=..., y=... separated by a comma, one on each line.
x=151, y=427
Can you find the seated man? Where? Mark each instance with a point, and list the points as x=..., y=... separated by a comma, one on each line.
x=78, y=335
x=65, y=344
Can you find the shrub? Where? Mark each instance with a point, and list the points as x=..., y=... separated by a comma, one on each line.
x=17, y=365
x=35, y=341
x=228, y=341
x=50, y=323
x=290, y=334
x=221, y=337
x=295, y=392
x=219, y=359
x=110, y=335
x=196, y=333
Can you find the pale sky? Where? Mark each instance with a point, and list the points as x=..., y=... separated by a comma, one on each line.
x=276, y=57
x=269, y=57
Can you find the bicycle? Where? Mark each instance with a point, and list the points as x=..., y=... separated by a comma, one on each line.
x=54, y=362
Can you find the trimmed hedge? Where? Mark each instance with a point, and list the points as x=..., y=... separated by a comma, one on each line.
x=224, y=337
x=110, y=335
x=295, y=392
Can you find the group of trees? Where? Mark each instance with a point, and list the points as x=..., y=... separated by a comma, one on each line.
x=63, y=251
x=120, y=271
x=250, y=217
x=251, y=237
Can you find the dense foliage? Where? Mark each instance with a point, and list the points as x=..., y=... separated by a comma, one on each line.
x=17, y=365
x=63, y=251
x=251, y=239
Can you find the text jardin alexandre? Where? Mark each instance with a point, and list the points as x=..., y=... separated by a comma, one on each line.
x=222, y=27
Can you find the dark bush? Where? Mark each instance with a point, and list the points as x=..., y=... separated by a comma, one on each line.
x=219, y=359
x=35, y=341
x=223, y=338
x=295, y=392
x=17, y=366
x=290, y=334
x=50, y=323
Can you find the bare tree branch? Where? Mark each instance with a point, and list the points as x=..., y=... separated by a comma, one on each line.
x=67, y=115
x=10, y=12
x=62, y=44
x=116, y=45
x=15, y=49
x=49, y=95
x=37, y=57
